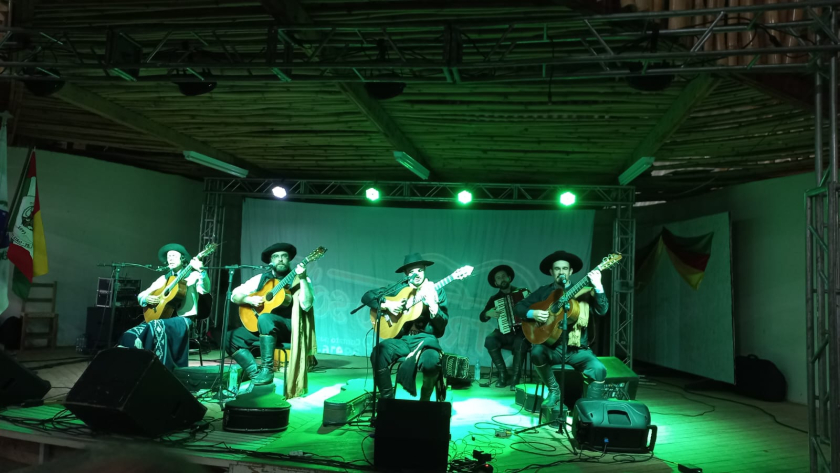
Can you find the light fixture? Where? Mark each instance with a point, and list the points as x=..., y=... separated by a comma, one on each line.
x=567, y=198
x=278, y=192
x=412, y=165
x=635, y=170
x=465, y=197
x=215, y=164
x=372, y=194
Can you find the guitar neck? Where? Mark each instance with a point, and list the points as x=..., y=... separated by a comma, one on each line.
x=287, y=279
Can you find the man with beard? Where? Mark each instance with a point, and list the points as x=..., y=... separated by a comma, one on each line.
x=560, y=265
x=501, y=277
x=276, y=325
x=418, y=340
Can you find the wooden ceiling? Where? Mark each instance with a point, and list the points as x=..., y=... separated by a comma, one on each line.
x=706, y=132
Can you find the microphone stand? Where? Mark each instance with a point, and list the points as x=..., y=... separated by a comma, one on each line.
x=115, y=289
x=230, y=269
x=379, y=315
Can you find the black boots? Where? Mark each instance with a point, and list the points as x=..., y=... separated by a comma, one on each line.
x=499, y=363
x=246, y=360
x=547, y=376
x=517, y=369
x=595, y=390
x=266, y=374
x=382, y=377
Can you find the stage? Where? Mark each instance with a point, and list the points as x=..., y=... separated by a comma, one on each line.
x=713, y=434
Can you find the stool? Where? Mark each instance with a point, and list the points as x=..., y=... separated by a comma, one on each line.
x=279, y=353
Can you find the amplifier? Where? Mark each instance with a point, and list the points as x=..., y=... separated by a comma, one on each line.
x=127, y=296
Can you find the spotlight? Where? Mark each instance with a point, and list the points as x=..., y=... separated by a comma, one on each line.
x=192, y=89
x=372, y=194
x=43, y=87
x=567, y=198
x=279, y=192
x=465, y=197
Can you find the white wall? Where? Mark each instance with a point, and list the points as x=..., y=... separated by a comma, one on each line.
x=99, y=212
x=768, y=263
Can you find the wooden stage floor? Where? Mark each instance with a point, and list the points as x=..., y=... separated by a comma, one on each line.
x=714, y=434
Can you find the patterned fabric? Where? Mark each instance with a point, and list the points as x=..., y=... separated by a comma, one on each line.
x=168, y=339
x=689, y=255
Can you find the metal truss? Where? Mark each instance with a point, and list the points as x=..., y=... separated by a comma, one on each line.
x=406, y=191
x=822, y=299
x=621, y=304
x=456, y=51
x=212, y=231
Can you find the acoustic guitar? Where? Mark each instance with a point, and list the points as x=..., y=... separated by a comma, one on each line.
x=560, y=301
x=274, y=293
x=411, y=308
x=173, y=292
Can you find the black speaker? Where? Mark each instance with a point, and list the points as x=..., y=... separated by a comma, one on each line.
x=419, y=426
x=18, y=384
x=612, y=426
x=129, y=391
x=621, y=382
x=99, y=321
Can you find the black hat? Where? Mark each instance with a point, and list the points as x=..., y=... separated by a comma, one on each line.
x=548, y=261
x=172, y=247
x=412, y=260
x=288, y=248
x=491, y=278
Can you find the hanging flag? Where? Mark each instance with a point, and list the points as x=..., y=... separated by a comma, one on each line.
x=4, y=217
x=689, y=255
x=28, y=249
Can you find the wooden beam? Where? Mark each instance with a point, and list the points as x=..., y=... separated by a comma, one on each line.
x=94, y=103
x=691, y=95
x=292, y=11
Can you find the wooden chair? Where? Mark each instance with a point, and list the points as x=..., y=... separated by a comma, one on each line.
x=39, y=308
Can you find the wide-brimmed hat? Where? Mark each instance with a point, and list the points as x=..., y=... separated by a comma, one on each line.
x=548, y=261
x=413, y=259
x=287, y=247
x=491, y=278
x=172, y=247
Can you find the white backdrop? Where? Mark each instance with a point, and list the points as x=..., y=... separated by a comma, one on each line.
x=365, y=245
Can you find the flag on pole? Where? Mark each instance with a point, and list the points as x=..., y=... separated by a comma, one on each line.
x=27, y=248
x=4, y=217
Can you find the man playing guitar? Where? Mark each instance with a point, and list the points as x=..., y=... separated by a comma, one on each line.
x=169, y=338
x=560, y=265
x=418, y=340
x=275, y=325
x=513, y=339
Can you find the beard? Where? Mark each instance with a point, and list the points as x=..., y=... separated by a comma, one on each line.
x=504, y=285
x=281, y=269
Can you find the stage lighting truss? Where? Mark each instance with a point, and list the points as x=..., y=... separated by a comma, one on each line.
x=566, y=45
x=405, y=191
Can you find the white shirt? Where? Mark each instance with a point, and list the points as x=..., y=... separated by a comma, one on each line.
x=197, y=283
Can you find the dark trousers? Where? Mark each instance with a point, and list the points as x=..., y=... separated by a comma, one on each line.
x=267, y=324
x=390, y=350
x=513, y=341
x=582, y=359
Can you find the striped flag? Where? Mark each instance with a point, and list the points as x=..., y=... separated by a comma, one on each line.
x=27, y=249
x=689, y=255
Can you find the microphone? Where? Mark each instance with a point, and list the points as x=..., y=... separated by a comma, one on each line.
x=563, y=278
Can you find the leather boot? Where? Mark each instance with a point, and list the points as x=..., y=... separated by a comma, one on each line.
x=595, y=390
x=266, y=374
x=246, y=360
x=547, y=376
x=518, y=357
x=382, y=377
x=499, y=362
x=429, y=381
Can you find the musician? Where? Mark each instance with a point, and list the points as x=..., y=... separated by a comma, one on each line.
x=501, y=277
x=169, y=338
x=293, y=324
x=560, y=265
x=418, y=340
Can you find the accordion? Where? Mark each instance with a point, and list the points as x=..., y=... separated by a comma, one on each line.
x=504, y=307
x=457, y=367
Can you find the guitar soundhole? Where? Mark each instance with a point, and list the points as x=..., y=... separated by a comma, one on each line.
x=269, y=297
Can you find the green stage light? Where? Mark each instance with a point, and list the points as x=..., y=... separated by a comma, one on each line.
x=372, y=194
x=465, y=197
x=567, y=198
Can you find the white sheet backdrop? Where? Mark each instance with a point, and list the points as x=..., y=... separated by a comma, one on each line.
x=366, y=244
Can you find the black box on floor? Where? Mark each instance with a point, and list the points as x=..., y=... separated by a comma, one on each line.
x=404, y=428
x=99, y=321
x=196, y=378
x=624, y=424
x=261, y=410
x=345, y=406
